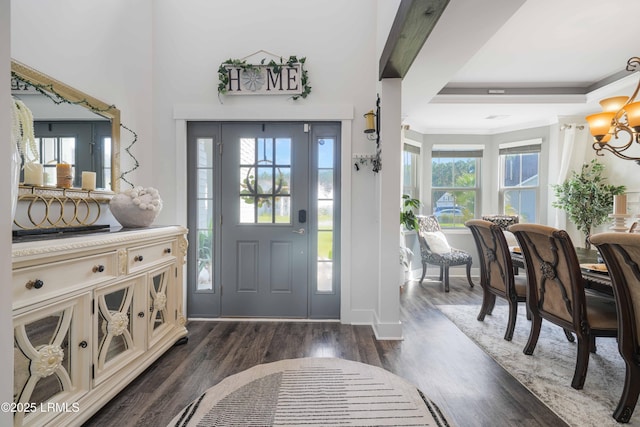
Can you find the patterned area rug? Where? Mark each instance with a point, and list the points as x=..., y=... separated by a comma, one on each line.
x=312, y=392
x=548, y=372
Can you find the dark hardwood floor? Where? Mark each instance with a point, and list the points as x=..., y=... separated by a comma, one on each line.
x=467, y=384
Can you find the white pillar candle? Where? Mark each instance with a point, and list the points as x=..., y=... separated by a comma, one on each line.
x=620, y=204
x=88, y=181
x=34, y=174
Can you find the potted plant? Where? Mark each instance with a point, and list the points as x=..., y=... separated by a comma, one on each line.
x=587, y=198
x=407, y=214
x=408, y=221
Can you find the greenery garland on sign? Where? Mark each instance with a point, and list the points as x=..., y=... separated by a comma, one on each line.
x=223, y=75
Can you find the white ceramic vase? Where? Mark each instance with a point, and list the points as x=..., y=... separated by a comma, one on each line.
x=136, y=208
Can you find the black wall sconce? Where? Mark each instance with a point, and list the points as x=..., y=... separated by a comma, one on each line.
x=372, y=130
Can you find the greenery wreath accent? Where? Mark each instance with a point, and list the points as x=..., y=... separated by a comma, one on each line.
x=223, y=75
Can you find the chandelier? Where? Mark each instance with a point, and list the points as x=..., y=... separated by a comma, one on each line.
x=620, y=114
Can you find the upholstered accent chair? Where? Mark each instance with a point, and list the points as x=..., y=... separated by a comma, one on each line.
x=435, y=250
x=502, y=221
x=496, y=271
x=556, y=293
x=621, y=253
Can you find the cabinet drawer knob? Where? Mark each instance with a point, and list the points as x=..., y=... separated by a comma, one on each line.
x=98, y=268
x=34, y=284
x=141, y=314
x=167, y=251
x=83, y=344
x=138, y=258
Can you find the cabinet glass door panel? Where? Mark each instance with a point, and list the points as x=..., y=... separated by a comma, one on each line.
x=114, y=325
x=119, y=312
x=51, y=349
x=159, y=286
x=42, y=362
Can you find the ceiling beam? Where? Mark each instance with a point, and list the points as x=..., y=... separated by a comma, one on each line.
x=412, y=25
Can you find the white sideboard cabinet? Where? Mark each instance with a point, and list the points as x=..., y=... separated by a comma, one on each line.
x=90, y=314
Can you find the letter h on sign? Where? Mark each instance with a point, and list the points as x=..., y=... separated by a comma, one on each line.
x=232, y=79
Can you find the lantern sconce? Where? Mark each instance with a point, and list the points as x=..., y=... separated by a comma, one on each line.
x=372, y=129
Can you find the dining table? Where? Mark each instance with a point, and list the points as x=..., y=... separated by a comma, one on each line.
x=594, y=271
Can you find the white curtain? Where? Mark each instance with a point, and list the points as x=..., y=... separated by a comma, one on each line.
x=571, y=134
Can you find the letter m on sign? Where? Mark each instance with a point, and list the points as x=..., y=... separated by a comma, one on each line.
x=274, y=80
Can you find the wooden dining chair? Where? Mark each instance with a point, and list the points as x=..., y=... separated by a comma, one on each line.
x=621, y=253
x=496, y=271
x=556, y=293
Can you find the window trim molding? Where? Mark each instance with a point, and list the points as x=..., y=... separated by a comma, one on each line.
x=529, y=146
x=474, y=151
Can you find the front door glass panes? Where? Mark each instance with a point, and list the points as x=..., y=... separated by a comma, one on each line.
x=325, y=214
x=204, y=220
x=265, y=177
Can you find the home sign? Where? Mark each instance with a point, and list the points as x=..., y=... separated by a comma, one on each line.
x=237, y=77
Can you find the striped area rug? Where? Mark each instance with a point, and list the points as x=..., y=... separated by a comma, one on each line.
x=312, y=392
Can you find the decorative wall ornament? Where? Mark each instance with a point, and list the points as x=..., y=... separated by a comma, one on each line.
x=276, y=77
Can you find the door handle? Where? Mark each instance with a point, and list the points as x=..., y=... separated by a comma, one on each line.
x=299, y=231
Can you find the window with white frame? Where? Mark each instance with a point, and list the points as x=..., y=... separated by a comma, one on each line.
x=455, y=185
x=519, y=179
x=411, y=170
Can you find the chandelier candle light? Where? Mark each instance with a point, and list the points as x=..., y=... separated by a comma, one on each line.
x=620, y=114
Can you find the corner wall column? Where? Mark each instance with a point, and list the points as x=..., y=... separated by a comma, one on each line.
x=387, y=323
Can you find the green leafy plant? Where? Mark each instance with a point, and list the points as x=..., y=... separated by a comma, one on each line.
x=407, y=214
x=587, y=198
x=409, y=220
x=223, y=75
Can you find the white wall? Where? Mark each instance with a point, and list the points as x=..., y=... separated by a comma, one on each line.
x=6, y=329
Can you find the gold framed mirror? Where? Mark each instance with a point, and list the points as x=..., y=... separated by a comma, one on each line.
x=71, y=95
